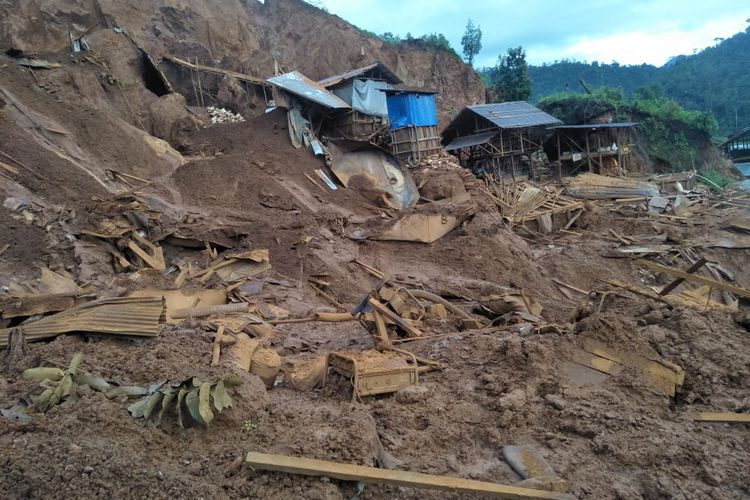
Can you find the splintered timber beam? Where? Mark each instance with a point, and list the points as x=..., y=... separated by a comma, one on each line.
x=347, y=472
x=717, y=285
x=692, y=269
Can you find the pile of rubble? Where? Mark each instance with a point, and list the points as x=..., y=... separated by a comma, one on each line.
x=221, y=115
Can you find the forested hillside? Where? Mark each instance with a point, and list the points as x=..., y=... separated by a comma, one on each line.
x=716, y=79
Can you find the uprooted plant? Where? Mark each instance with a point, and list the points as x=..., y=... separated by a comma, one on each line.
x=192, y=397
x=196, y=395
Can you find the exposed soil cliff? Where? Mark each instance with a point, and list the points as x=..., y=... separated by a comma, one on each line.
x=243, y=35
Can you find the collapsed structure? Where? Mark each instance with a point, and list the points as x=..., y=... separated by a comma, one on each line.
x=252, y=312
x=600, y=148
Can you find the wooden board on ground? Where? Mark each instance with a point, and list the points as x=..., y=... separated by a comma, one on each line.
x=30, y=305
x=726, y=418
x=663, y=376
x=348, y=472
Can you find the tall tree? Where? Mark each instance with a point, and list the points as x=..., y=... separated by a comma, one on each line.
x=471, y=41
x=510, y=77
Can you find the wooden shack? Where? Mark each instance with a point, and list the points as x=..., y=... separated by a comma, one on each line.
x=601, y=148
x=362, y=89
x=498, y=139
x=413, y=122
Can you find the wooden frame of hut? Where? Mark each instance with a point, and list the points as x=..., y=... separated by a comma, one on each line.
x=498, y=139
x=413, y=120
x=601, y=148
x=361, y=88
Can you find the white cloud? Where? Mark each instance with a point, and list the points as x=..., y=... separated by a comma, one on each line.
x=651, y=47
x=629, y=31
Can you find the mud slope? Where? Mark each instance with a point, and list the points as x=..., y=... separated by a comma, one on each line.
x=242, y=35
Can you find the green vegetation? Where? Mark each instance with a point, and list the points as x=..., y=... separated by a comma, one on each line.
x=509, y=79
x=714, y=80
x=436, y=41
x=471, y=41
x=713, y=178
x=673, y=135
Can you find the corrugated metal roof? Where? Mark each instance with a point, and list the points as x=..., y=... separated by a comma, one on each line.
x=469, y=140
x=595, y=126
x=138, y=316
x=387, y=74
x=300, y=85
x=407, y=90
x=516, y=114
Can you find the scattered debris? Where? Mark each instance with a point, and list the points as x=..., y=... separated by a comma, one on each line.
x=221, y=115
x=520, y=203
x=534, y=469
x=250, y=355
x=374, y=372
x=600, y=187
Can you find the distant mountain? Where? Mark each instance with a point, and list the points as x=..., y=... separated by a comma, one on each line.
x=717, y=79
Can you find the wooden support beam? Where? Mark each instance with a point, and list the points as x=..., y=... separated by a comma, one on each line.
x=348, y=472
x=725, y=418
x=691, y=277
x=404, y=325
x=218, y=71
x=692, y=269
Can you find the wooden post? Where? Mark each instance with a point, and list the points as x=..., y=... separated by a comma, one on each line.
x=588, y=151
x=559, y=157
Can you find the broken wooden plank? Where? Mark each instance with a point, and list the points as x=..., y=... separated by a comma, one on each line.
x=717, y=285
x=692, y=269
x=155, y=259
x=662, y=369
x=573, y=219
x=678, y=300
x=30, y=305
x=348, y=472
x=662, y=375
x=724, y=418
x=403, y=324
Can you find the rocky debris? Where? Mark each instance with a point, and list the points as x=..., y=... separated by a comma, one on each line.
x=221, y=115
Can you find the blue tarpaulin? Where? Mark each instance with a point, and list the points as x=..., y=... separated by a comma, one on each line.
x=406, y=109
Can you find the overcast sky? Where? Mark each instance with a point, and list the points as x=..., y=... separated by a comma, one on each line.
x=626, y=31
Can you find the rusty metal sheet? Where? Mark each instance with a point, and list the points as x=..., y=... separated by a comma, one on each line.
x=302, y=86
x=375, y=174
x=137, y=316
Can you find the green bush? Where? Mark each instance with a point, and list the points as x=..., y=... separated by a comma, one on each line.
x=671, y=133
x=714, y=178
